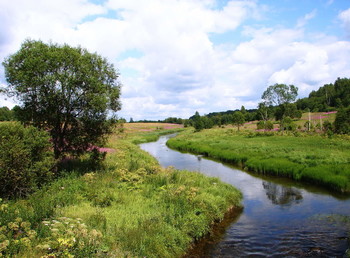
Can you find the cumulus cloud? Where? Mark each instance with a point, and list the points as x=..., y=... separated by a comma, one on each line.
x=168, y=62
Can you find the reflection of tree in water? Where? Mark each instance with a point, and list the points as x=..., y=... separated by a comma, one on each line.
x=282, y=195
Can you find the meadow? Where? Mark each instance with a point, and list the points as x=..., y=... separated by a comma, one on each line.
x=312, y=158
x=128, y=207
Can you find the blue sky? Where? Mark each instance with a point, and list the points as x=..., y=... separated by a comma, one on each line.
x=177, y=57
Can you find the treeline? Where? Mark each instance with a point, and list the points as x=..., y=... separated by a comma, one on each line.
x=327, y=98
x=278, y=104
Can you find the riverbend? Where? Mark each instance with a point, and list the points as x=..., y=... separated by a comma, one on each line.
x=280, y=217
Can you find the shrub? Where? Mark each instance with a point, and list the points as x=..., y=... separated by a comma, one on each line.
x=26, y=159
x=287, y=124
x=266, y=125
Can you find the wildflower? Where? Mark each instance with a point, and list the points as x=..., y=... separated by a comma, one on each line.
x=18, y=220
x=25, y=225
x=31, y=234
x=14, y=226
x=43, y=247
x=46, y=223
x=4, y=245
x=25, y=241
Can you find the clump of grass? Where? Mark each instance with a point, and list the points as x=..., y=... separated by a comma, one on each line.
x=313, y=158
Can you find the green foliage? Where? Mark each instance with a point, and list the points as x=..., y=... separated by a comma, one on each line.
x=68, y=237
x=265, y=125
x=320, y=160
x=342, y=121
x=238, y=119
x=26, y=161
x=328, y=97
x=289, y=110
x=64, y=90
x=264, y=112
x=58, y=237
x=173, y=120
x=201, y=122
x=6, y=114
x=342, y=89
x=279, y=94
x=287, y=124
x=131, y=208
x=16, y=235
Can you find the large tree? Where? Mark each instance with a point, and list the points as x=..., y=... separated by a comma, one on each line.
x=279, y=94
x=64, y=90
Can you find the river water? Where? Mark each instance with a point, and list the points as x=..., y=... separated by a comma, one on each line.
x=280, y=218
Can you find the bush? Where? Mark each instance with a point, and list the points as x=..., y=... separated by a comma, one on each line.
x=26, y=159
x=287, y=124
x=266, y=125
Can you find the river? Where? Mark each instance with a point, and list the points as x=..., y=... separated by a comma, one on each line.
x=280, y=217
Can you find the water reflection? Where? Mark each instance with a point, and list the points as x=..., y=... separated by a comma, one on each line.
x=277, y=216
x=282, y=195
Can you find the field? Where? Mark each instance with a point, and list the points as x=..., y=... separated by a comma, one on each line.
x=129, y=207
x=313, y=158
x=315, y=118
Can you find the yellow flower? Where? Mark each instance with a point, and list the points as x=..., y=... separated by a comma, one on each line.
x=13, y=226
x=4, y=245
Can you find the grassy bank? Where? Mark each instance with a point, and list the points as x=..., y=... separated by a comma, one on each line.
x=317, y=159
x=130, y=207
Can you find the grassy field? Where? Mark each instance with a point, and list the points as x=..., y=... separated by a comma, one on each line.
x=129, y=208
x=315, y=118
x=313, y=158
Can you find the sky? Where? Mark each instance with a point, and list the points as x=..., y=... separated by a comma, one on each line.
x=176, y=57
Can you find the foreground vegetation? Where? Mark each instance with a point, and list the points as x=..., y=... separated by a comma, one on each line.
x=128, y=207
x=300, y=156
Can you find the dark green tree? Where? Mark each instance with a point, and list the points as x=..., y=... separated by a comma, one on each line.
x=288, y=109
x=65, y=90
x=6, y=114
x=342, y=121
x=342, y=91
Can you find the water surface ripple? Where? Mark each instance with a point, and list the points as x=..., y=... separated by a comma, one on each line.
x=280, y=218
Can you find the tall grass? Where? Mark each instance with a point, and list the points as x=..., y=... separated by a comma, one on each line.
x=313, y=158
x=132, y=207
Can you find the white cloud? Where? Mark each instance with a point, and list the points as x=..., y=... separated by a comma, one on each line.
x=178, y=68
x=303, y=21
x=345, y=18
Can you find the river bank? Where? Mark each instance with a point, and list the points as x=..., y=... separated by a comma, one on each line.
x=308, y=158
x=129, y=207
x=281, y=217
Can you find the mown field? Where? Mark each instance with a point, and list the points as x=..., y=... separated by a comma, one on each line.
x=312, y=158
x=130, y=207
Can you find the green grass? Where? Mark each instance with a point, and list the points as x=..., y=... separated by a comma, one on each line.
x=313, y=158
x=132, y=207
